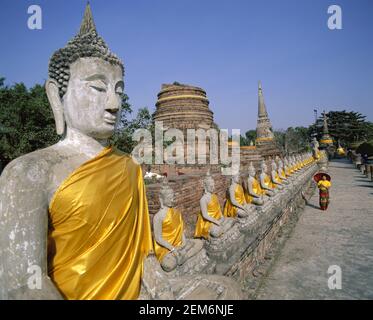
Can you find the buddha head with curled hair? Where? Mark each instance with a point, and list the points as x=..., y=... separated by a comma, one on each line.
x=166, y=194
x=85, y=85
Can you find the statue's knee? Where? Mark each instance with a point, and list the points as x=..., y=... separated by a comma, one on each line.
x=169, y=262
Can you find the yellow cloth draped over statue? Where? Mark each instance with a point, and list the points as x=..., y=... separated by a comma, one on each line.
x=214, y=211
x=257, y=190
x=172, y=232
x=99, y=230
x=268, y=182
x=277, y=178
x=229, y=209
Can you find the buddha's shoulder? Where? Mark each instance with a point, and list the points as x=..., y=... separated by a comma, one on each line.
x=33, y=167
x=130, y=162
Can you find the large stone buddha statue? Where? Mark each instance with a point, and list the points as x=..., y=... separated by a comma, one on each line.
x=170, y=244
x=77, y=209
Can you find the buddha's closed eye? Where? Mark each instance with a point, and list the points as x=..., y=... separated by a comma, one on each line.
x=98, y=88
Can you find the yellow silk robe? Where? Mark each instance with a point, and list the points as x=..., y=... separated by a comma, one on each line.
x=257, y=189
x=203, y=226
x=268, y=182
x=99, y=229
x=277, y=178
x=288, y=172
x=172, y=232
x=229, y=209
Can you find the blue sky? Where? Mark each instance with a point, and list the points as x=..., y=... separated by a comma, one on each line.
x=223, y=46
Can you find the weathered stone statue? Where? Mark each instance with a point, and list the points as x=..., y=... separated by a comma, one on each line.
x=287, y=167
x=275, y=178
x=211, y=221
x=265, y=180
x=254, y=192
x=77, y=210
x=281, y=171
x=235, y=204
x=170, y=245
x=315, y=148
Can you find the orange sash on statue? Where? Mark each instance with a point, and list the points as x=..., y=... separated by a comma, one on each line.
x=203, y=226
x=99, y=229
x=172, y=232
x=229, y=209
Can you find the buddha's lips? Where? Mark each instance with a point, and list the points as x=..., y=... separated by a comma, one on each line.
x=110, y=120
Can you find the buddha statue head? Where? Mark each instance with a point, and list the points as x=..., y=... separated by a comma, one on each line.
x=251, y=170
x=85, y=84
x=263, y=167
x=166, y=195
x=208, y=183
x=236, y=178
x=273, y=165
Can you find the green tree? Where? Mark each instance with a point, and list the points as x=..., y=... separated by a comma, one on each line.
x=347, y=127
x=250, y=136
x=26, y=121
x=296, y=139
x=123, y=136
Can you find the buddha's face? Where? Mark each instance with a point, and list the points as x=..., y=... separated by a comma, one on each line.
x=324, y=178
x=168, y=198
x=252, y=171
x=93, y=98
x=236, y=178
x=209, y=185
x=264, y=167
x=274, y=166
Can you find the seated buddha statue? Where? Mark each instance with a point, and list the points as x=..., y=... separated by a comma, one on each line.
x=294, y=163
x=287, y=167
x=300, y=161
x=171, y=247
x=77, y=209
x=211, y=221
x=253, y=192
x=315, y=149
x=281, y=171
x=236, y=204
x=265, y=180
x=275, y=177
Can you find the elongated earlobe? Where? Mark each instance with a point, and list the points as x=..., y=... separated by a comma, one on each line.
x=51, y=88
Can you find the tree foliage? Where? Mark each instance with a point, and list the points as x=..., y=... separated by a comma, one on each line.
x=26, y=121
x=347, y=127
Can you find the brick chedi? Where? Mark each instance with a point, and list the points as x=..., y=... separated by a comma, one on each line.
x=265, y=139
x=182, y=107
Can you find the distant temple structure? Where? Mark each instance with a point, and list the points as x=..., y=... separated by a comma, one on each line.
x=265, y=139
x=326, y=139
x=183, y=107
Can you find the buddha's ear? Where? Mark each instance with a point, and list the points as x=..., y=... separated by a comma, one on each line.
x=51, y=88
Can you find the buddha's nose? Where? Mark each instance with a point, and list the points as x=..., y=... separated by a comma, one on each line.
x=113, y=103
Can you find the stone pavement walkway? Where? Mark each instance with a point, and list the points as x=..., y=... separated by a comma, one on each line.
x=343, y=236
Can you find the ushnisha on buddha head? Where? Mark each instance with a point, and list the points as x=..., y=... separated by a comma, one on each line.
x=85, y=84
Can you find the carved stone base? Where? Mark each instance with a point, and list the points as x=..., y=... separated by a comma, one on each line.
x=200, y=263
x=222, y=248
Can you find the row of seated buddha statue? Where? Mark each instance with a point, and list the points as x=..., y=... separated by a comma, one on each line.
x=221, y=229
